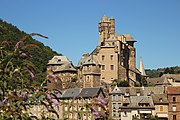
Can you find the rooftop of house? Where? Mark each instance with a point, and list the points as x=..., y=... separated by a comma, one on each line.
x=160, y=98
x=91, y=92
x=139, y=102
x=70, y=93
x=158, y=81
x=82, y=93
x=65, y=66
x=58, y=60
x=141, y=91
x=176, y=77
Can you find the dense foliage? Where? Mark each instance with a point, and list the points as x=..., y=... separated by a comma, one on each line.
x=160, y=71
x=11, y=34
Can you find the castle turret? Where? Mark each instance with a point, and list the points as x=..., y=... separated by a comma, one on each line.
x=106, y=28
x=112, y=26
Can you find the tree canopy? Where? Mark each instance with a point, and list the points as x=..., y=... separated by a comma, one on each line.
x=11, y=35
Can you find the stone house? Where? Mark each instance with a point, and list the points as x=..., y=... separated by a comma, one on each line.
x=123, y=99
x=161, y=105
x=60, y=73
x=137, y=107
x=173, y=94
x=79, y=103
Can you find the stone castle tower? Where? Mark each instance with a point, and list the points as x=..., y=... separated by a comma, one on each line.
x=113, y=58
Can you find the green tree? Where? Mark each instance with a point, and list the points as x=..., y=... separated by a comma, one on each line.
x=124, y=83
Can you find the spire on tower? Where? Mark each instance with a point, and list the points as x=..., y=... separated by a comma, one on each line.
x=141, y=68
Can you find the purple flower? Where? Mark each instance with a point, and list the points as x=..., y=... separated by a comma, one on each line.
x=96, y=113
x=31, y=74
x=26, y=55
x=93, y=109
x=48, y=96
x=55, y=102
x=18, y=43
x=101, y=101
x=52, y=76
x=5, y=99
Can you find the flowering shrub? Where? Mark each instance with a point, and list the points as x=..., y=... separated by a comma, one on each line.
x=19, y=97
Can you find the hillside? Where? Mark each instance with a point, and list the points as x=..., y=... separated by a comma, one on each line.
x=160, y=71
x=12, y=34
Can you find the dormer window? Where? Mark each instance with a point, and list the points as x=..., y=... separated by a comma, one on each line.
x=59, y=60
x=126, y=93
x=160, y=100
x=138, y=93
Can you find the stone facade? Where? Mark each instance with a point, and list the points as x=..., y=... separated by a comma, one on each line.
x=60, y=72
x=113, y=58
x=75, y=100
x=174, y=102
x=126, y=103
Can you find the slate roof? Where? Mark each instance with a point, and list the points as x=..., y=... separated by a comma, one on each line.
x=58, y=60
x=135, y=100
x=117, y=90
x=158, y=81
x=131, y=90
x=66, y=66
x=144, y=91
x=160, y=98
x=90, y=92
x=91, y=60
x=83, y=59
x=71, y=93
x=153, y=90
x=176, y=77
x=84, y=93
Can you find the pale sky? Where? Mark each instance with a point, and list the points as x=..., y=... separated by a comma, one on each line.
x=72, y=25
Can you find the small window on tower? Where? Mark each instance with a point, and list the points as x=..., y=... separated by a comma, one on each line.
x=103, y=57
x=112, y=67
x=111, y=57
x=103, y=67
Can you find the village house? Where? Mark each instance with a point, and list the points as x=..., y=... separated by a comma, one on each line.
x=137, y=102
x=173, y=94
x=161, y=105
x=83, y=104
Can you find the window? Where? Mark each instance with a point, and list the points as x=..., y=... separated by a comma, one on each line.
x=114, y=113
x=103, y=67
x=112, y=67
x=174, y=108
x=161, y=108
x=174, y=99
x=87, y=80
x=103, y=57
x=119, y=97
x=114, y=106
x=138, y=94
x=125, y=114
x=113, y=97
x=161, y=100
x=111, y=57
x=119, y=105
x=174, y=117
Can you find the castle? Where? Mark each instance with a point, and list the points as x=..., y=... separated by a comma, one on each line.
x=114, y=58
